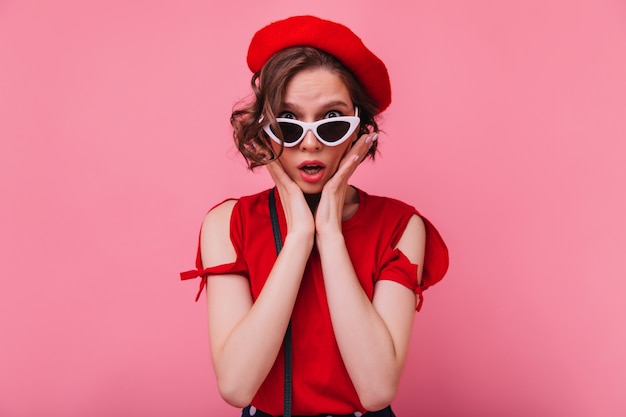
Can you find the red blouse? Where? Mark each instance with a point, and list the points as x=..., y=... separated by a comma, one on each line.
x=320, y=380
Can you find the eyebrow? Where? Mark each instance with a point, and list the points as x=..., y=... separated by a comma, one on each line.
x=326, y=106
x=336, y=103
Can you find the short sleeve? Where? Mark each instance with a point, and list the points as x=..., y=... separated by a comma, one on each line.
x=395, y=266
x=237, y=267
x=436, y=257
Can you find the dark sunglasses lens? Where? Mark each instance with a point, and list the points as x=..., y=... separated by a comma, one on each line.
x=291, y=131
x=333, y=131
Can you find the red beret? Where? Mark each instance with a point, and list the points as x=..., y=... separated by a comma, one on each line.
x=330, y=37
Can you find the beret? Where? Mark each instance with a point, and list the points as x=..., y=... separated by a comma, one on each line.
x=330, y=37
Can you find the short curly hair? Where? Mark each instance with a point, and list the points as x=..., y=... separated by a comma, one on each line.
x=269, y=86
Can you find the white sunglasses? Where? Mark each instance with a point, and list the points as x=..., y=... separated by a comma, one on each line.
x=331, y=132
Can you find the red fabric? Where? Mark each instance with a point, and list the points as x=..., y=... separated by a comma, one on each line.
x=320, y=380
x=330, y=37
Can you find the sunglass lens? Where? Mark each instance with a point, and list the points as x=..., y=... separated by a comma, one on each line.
x=333, y=131
x=291, y=131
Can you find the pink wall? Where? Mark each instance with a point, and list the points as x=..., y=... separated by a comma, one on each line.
x=508, y=129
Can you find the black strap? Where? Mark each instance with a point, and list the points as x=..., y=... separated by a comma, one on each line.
x=287, y=342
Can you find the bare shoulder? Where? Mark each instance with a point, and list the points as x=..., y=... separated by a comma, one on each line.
x=413, y=241
x=216, y=247
x=219, y=213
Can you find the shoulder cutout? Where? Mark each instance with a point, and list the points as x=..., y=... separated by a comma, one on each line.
x=216, y=247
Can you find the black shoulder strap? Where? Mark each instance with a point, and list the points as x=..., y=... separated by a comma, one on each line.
x=287, y=342
x=275, y=226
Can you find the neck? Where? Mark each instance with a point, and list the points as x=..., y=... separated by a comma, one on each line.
x=352, y=199
x=313, y=200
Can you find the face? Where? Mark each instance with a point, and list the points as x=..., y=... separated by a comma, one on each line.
x=313, y=95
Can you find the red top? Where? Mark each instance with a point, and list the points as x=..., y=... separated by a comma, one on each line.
x=320, y=380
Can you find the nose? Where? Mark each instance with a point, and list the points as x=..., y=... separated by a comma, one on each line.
x=310, y=142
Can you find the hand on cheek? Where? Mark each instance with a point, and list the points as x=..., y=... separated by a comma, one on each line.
x=297, y=211
x=357, y=153
x=330, y=210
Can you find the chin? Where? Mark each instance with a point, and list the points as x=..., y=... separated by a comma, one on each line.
x=311, y=188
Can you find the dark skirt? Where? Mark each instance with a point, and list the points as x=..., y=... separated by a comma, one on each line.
x=250, y=411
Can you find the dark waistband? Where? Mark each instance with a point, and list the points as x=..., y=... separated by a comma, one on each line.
x=250, y=411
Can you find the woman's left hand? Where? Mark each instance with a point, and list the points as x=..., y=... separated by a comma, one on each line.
x=329, y=212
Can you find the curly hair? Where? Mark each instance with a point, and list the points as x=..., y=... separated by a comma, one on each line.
x=268, y=86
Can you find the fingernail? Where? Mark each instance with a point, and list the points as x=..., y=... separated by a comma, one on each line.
x=356, y=158
x=368, y=140
x=371, y=140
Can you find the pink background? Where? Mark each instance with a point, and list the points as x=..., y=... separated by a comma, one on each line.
x=507, y=129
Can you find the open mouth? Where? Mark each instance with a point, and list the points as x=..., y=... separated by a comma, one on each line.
x=311, y=169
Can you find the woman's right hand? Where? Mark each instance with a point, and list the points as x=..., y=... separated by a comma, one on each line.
x=297, y=212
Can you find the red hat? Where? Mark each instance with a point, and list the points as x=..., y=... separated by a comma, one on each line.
x=330, y=37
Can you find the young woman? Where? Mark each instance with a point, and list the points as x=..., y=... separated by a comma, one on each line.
x=352, y=267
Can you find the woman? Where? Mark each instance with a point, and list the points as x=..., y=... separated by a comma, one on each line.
x=351, y=265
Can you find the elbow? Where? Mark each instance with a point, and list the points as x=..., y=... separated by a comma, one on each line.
x=235, y=393
x=379, y=398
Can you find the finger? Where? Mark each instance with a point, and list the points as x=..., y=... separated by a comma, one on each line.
x=358, y=153
x=366, y=145
x=350, y=162
x=277, y=172
x=285, y=185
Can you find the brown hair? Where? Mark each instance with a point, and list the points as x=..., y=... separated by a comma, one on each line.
x=269, y=86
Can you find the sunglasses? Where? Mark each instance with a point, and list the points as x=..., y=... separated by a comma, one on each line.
x=331, y=132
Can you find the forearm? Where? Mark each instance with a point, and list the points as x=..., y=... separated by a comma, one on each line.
x=367, y=346
x=244, y=354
